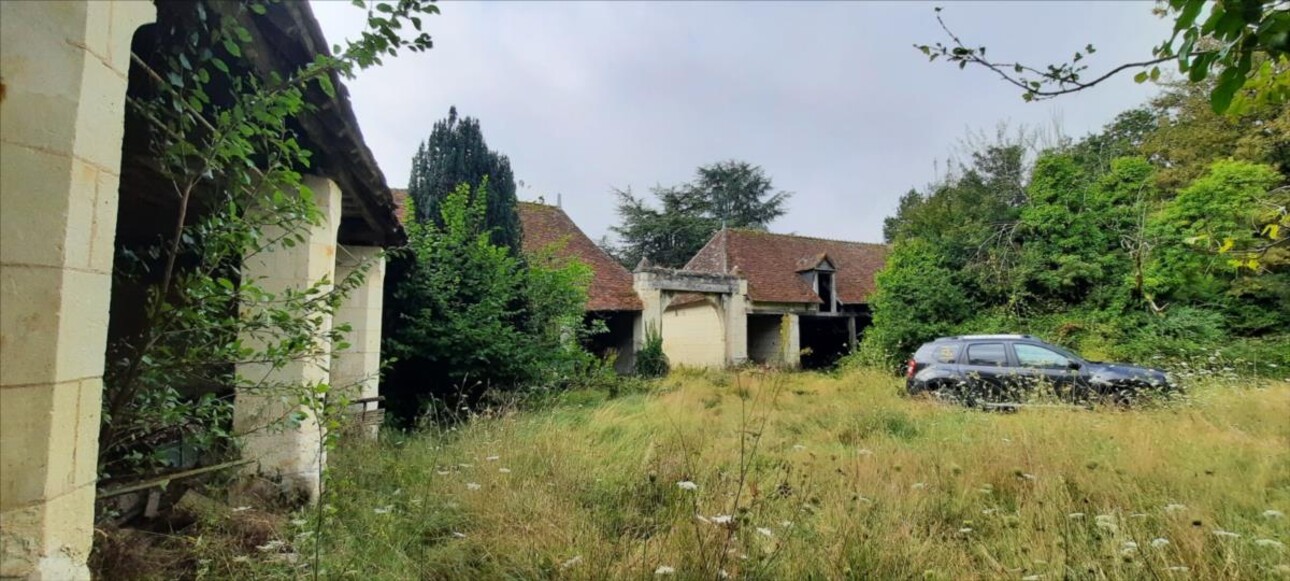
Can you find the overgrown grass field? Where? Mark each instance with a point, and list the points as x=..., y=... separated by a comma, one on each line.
x=801, y=476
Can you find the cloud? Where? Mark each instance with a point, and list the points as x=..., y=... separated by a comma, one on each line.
x=829, y=97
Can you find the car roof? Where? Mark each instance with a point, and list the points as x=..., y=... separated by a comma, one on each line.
x=976, y=337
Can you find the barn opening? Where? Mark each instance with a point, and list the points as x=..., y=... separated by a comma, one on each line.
x=765, y=339
x=617, y=339
x=824, y=340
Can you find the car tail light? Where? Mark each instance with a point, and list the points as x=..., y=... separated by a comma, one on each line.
x=909, y=369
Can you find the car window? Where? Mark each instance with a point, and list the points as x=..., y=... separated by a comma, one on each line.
x=987, y=354
x=1036, y=356
x=946, y=353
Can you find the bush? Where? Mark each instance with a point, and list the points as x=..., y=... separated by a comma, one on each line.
x=650, y=360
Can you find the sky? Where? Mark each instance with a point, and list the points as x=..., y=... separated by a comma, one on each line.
x=830, y=98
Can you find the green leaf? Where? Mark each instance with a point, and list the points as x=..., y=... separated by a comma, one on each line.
x=258, y=8
x=1228, y=84
x=324, y=82
x=232, y=47
x=1188, y=14
x=1141, y=77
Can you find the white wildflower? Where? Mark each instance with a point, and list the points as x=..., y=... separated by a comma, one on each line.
x=865, y=452
x=1075, y=515
x=1032, y=578
x=1178, y=568
x=1029, y=476
x=664, y=570
x=723, y=574
x=571, y=562
x=504, y=470
x=271, y=546
x=458, y=535
x=493, y=458
x=965, y=530
x=1128, y=548
x=1138, y=515
x=786, y=523
x=798, y=447
x=1175, y=507
x=1159, y=542
x=687, y=485
x=1273, y=514
x=864, y=500
x=383, y=509
x=442, y=472
x=1225, y=534
x=465, y=465
x=1271, y=543
x=918, y=485
x=472, y=486
x=765, y=532
x=241, y=559
x=241, y=508
x=702, y=519
x=722, y=519
x=1106, y=521
x=299, y=522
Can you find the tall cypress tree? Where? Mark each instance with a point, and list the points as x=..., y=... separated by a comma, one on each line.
x=456, y=153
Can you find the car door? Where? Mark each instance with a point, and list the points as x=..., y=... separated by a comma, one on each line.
x=987, y=372
x=1041, y=368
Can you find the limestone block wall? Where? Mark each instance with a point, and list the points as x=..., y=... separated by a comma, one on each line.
x=65, y=67
x=694, y=336
x=293, y=454
x=357, y=369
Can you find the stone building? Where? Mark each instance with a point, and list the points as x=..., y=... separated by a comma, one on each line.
x=753, y=296
x=77, y=182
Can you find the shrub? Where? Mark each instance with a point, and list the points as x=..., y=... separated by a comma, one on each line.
x=650, y=360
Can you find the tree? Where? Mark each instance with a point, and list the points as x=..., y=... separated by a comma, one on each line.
x=455, y=154
x=733, y=194
x=472, y=316
x=1238, y=42
x=917, y=300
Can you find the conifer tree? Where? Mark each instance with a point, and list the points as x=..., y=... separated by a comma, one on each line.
x=455, y=154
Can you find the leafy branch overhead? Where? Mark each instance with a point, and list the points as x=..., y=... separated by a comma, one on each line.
x=1242, y=43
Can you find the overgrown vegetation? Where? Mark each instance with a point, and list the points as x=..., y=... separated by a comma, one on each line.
x=224, y=141
x=1162, y=236
x=473, y=317
x=807, y=476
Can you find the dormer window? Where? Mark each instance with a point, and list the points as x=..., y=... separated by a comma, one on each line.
x=824, y=288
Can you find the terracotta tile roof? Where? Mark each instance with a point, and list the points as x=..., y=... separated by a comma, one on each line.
x=400, y=196
x=771, y=263
x=611, y=288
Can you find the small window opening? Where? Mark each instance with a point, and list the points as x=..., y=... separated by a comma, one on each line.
x=825, y=279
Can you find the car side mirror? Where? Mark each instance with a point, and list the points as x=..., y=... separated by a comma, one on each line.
x=1073, y=366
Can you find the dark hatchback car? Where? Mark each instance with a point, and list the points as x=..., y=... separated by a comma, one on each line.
x=1007, y=368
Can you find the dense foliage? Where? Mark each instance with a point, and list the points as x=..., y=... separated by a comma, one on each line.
x=733, y=194
x=1162, y=235
x=455, y=154
x=472, y=317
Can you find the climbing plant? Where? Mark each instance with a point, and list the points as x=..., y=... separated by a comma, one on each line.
x=225, y=147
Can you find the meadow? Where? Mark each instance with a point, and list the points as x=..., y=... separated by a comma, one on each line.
x=763, y=475
x=800, y=475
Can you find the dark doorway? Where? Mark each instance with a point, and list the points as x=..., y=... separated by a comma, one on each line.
x=617, y=340
x=824, y=340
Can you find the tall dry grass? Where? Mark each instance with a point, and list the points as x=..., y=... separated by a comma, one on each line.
x=813, y=476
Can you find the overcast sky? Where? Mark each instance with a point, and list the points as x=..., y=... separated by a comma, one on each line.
x=830, y=97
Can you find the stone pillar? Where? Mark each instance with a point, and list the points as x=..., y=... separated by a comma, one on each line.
x=654, y=302
x=851, y=334
x=357, y=369
x=64, y=67
x=736, y=313
x=792, y=332
x=293, y=454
